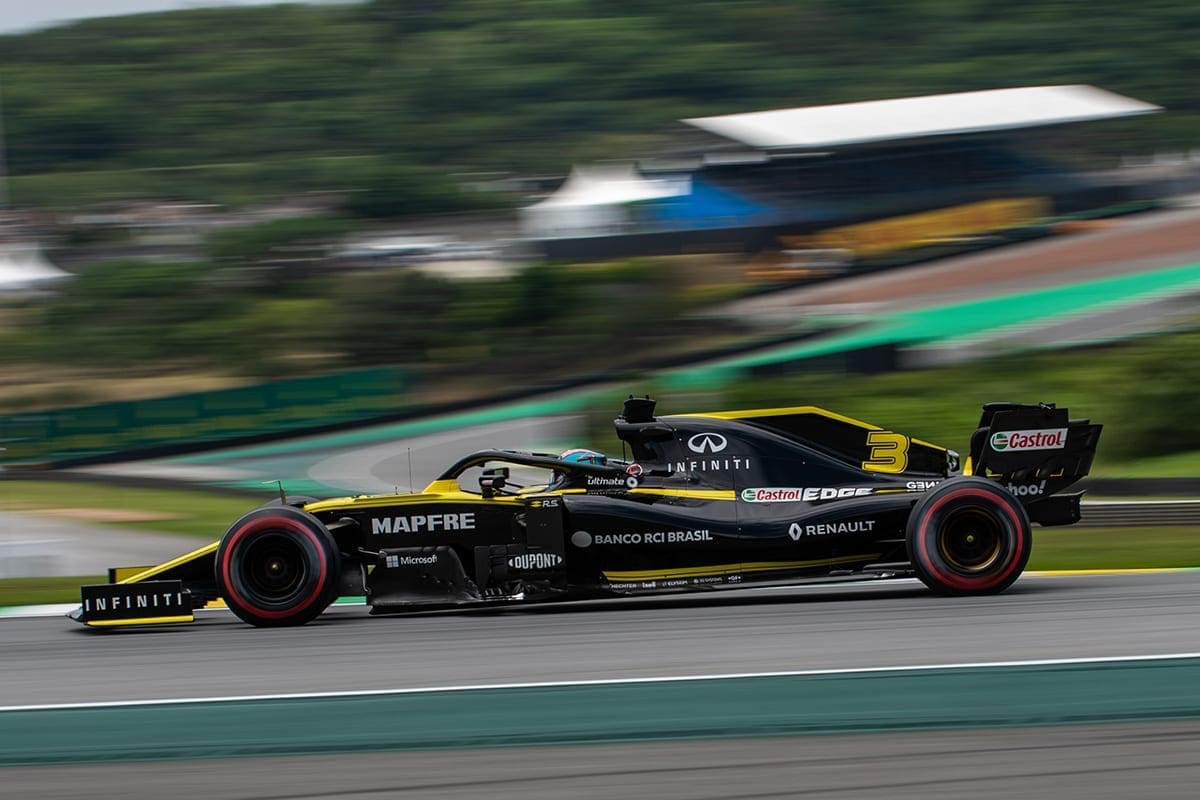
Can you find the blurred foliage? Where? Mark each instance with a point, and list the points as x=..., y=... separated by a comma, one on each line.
x=143, y=315
x=244, y=313
x=125, y=312
x=384, y=97
x=280, y=238
x=397, y=190
x=389, y=316
x=543, y=319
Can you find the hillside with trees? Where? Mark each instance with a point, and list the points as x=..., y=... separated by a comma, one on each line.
x=396, y=96
x=399, y=106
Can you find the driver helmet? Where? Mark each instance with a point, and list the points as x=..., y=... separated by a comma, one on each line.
x=581, y=455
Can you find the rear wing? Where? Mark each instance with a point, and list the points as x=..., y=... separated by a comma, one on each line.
x=1036, y=451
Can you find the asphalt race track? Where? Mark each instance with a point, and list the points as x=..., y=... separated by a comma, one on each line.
x=53, y=661
x=1109, y=762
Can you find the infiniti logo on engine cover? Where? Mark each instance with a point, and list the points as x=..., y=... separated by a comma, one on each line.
x=707, y=443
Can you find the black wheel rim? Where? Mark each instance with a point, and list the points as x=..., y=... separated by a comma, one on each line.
x=273, y=569
x=971, y=540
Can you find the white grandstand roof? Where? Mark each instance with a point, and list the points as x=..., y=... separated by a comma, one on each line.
x=818, y=127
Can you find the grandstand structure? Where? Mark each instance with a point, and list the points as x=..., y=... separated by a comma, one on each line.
x=860, y=178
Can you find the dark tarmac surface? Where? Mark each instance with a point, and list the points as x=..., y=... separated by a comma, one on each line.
x=53, y=660
x=1109, y=762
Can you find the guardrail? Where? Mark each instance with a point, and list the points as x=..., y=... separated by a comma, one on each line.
x=1140, y=513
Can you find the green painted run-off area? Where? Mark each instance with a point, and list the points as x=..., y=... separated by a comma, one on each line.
x=669, y=709
x=969, y=318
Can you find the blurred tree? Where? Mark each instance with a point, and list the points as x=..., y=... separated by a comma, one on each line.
x=1159, y=400
x=131, y=312
x=293, y=237
x=390, y=317
x=534, y=84
x=397, y=191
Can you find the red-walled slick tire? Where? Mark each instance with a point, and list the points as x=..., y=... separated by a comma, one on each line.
x=969, y=536
x=277, y=566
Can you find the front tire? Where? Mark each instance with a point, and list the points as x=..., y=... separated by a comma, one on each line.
x=277, y=566
x=969, y=536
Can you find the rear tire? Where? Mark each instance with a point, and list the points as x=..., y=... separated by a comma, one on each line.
x=969, y=536
x=277, y=566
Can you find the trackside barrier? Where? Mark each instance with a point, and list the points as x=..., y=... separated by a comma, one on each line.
x=1140, y=513
x=297, y=404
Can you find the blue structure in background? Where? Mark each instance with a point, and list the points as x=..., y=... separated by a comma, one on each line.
x=706, y=206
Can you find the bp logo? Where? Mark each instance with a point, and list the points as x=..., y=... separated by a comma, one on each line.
x=999, y=441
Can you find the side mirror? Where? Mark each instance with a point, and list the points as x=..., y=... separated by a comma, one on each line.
x=492, y=480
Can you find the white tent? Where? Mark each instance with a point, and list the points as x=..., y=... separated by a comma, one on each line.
x=595, y=201
x=24, y=269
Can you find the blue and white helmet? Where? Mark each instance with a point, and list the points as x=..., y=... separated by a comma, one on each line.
x=581, y=455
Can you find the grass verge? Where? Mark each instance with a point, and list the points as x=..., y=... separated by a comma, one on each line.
x=37, y=591
x=152, y=510
x=1115, y=548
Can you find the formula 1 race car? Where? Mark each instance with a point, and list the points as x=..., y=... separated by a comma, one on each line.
x=700, y=501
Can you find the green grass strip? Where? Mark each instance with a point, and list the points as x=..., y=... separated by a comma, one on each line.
x=1078, y=548
x=44, y=591
x=192, y=513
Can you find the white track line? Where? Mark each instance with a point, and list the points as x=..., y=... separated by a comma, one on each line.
x=1045, y=662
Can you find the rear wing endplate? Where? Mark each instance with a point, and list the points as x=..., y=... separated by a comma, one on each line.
x=1021, y=445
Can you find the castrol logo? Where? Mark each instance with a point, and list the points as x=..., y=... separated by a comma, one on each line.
x=1049, y=439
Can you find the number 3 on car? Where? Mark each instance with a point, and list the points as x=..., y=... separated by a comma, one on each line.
x=889, y=452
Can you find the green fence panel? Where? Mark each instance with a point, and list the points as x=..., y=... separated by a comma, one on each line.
x=202, y=417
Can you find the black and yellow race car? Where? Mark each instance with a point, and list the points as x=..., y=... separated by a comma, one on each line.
x=698, y=501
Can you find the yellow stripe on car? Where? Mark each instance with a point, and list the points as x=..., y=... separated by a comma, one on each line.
x=207, y=550
x=112, y=623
